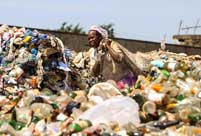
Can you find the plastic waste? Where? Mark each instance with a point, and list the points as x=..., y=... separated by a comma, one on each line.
x=113, y=110
x=71, y=106
x=40, y=126
x=37, y=75
x=163, y=125
x=158, y=63
x=189, y=130
x=42, y=110
x=79, y=125
x=23, y=115
x=6, y=128
x=52, y=128
x=76, y=113
x=102, y=91
x=140, y=99
x=149, y=107
x=16, y=125
x=194, y=117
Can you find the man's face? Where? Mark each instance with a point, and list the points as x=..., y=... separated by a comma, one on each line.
x=93, y=38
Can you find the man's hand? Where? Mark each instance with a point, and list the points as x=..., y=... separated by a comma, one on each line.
x=107, y=43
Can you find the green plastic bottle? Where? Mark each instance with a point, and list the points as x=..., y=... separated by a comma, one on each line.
x=54, y=106
x=180, y=97
x=165, y=73
x=17, y=125
x=75, y=127
x=72, y=94
x=194, y=117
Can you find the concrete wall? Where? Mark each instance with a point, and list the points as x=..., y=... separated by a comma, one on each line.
x=78, y=43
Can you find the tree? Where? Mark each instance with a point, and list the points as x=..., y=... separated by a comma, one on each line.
x=76, y=29
x=109, y=28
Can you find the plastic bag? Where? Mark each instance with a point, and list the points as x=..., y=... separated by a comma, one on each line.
x=102, y=91
x=120, y=109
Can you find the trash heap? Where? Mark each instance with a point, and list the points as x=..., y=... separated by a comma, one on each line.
x=80, y=63
x=44, y=92
x=28, y=58
x=31, y=64
x=169, y=95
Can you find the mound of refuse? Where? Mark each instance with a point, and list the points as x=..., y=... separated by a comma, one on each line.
x=45, y=90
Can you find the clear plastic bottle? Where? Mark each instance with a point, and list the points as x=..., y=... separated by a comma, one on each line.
x=184, y=87
x=42, y=110
x=171, y=66
x=76, y=113
x=190, y=105
x=191, y=101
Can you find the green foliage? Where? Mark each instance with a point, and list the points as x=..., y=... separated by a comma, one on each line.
x=76, y=29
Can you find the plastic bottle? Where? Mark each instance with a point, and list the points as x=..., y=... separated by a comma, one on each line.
x=79, y=126
x=42, y=110
x=183, y=86
x=149, y=107
x=163, y=125
x=188, y=102
x=43, y=36
x=186, y=107
x=74, y=128
x=183, y=66
x=16, y=72
x=34, y=51
x=27, y=39
x=194, y=117
x=72, y=94
x=158, y=63
x=84, y=123
x=165, y=73
x=190, y=130
x=17, y=125
x=171, y=66
x=156, y=87
x=180, y=97
x=140, y=99
x=76, y=113
x=28, y=32
x=71, y=106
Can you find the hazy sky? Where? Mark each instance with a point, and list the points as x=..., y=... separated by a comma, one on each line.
x=134, y=19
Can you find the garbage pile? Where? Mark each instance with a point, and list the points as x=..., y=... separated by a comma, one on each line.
x=169, y=95
x=45, y=91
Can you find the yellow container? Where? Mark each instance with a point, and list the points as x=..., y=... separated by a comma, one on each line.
x=171, y=106
x=157, y=87
x=27, y=39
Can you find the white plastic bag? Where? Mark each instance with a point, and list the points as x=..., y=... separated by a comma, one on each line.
x=102, y=91
x=120, y=109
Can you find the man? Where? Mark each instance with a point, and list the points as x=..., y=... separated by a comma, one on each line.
x=106, y=57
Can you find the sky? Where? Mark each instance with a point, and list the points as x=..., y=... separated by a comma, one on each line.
x=149, y=20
